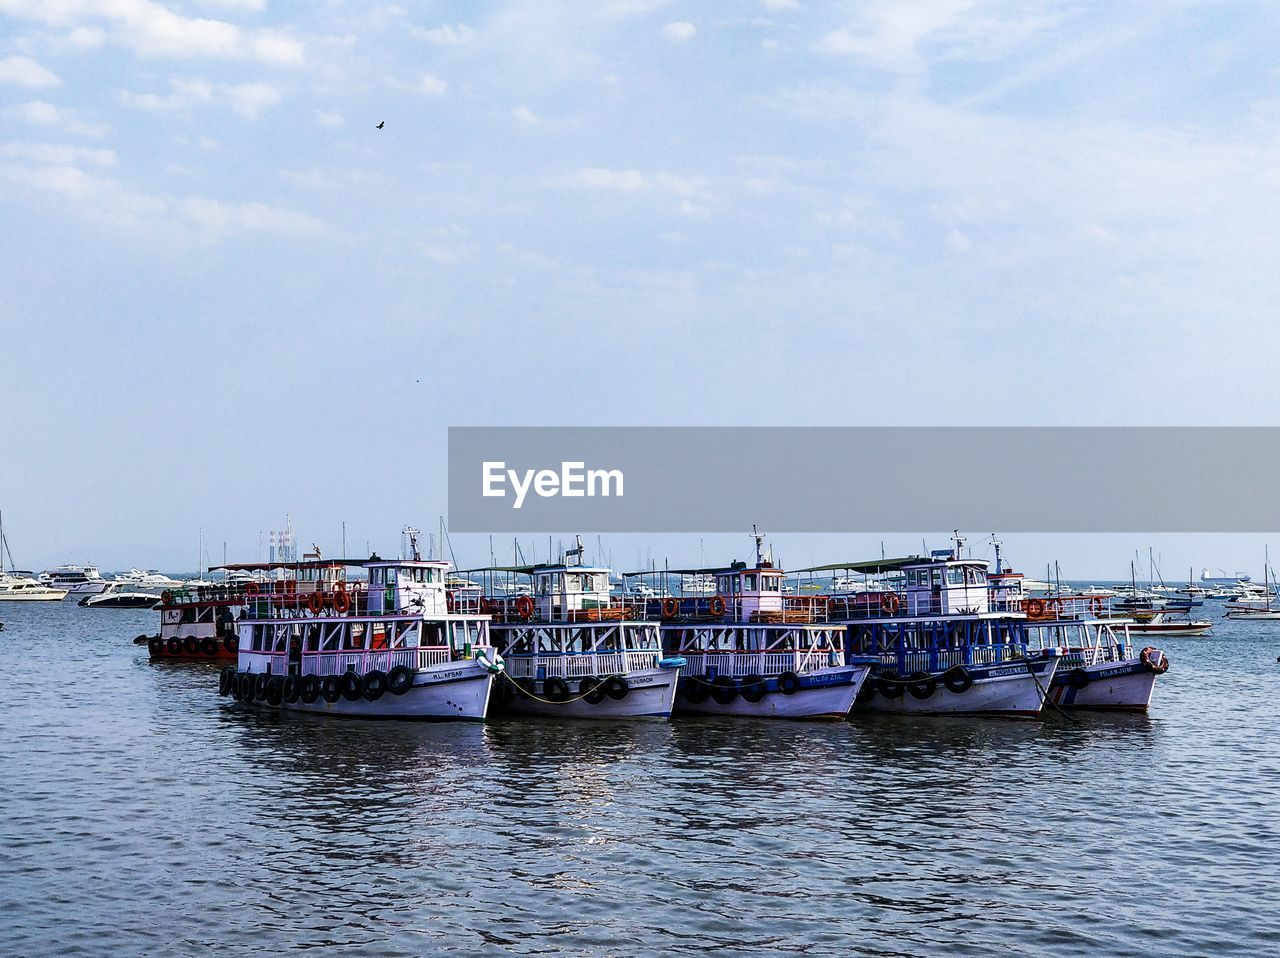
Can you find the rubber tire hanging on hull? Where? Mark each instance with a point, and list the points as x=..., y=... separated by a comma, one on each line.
x=225, y=678
x=1078, y=679
x=889, y=685
x=375, y=685
x=592, y=689
x=754, y=689
x=555, y=690
x=400, y=680
x=155, y=647
x=310, y=689
x=957, y=680
x=330, y=690
x=724, y=689
x=921, y=685
x=351, y=686
x=616, y=687
x=788, y=683
x=292, y=690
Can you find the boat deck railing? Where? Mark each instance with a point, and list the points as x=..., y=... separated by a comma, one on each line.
x=337, y=661
x=740, y=664
x=906, y=661
x=572, y=665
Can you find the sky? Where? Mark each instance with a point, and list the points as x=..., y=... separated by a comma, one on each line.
x=227, y=297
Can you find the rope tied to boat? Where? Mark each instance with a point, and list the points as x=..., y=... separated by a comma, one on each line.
x=528, y=693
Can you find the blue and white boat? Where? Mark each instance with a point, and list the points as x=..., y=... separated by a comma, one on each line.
x=943, y=644
x=571, y=649
x=750, y=651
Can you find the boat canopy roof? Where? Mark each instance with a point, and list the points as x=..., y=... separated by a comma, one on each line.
x=534, y=569
x=304, y=564
x=872, y=567
x=710, y=570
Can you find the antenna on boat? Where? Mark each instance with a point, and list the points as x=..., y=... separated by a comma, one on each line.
x=996, y=544
x=958, y=539
x=410, y=533
x=577, y=551
x=759, y=537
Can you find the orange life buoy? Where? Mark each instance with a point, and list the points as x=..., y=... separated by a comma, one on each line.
x=487, y=605
x=340, y=585
x=1155, y=660
x=315, y=602
x=524, y=607
x=251, y=588
x=670, y=608
x=1035, y=608
x=716, y=605
x=889, y=603
x=342, y=602
x=166, y=597
x=1095, y=604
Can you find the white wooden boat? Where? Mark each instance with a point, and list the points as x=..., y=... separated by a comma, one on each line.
x=750, y=651
x=1100, y=668
x=388, y=649
x=570, y=648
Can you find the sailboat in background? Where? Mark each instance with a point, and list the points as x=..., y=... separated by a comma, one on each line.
x=1263, y=612
x=25, y=587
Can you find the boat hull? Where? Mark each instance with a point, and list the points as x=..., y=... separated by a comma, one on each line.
x=1112, y=686
x=456, y=694
x=1009, y=689
x=650, y=694
x=1171, y=628
x=823, y=695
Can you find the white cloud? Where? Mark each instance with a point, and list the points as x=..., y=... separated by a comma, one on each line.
x=24, y=71
x=633, y=181
x=679, y=31
x=57, y=154
x=432, y=86
x=222, y=218
x=250, y=99
x=86, y=38
x=37, y=111
x=331, y=120
x=247, y=99
x=445, y=35
x=524, y=116
x=687, y=208
x=152, y=29
x=782, y=4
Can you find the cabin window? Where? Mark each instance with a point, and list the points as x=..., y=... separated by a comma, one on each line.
x=573, y=582
x=771, y=583
x=375, y=576
x=749, y=582
x=955, y=575
x=724, y=585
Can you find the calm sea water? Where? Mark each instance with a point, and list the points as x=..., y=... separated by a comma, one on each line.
x=140, y=814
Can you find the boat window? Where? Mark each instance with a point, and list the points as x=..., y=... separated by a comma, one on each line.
x=771, y=583
x=573, y=582
x=375, y=576
x=955, y=575
x=749, y=583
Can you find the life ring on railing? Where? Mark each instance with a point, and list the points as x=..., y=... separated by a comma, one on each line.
x=716, y=605
x=889, y=603
x=670, y=607
x=251, y=588
x=342, y=602
x=315, y=602
x=1096, y=604
x=1035, y=608
x=524, y=607
x=166, y=597
x=340, y=585
x=1155, y=660
x=488, y=606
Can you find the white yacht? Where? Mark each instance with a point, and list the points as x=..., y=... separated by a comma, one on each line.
x=76, y=579
x=26, y=589
x=147, y=581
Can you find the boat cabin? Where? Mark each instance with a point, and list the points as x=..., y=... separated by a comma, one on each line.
x=415, y=586
x=748, y=592
x=560, y=590
x=945, y=585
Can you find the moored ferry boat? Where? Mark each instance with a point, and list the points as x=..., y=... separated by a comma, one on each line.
x=385, y=648
x=1099, y=668
x=940, y=645
x=751, y=651
x=571, y=649
x=76, y=579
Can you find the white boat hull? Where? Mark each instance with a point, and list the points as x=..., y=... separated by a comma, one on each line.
x=1112, y=686
x=650, y=694
x=459, y=694
x=34, y=595
x=824, y=694
x=1012, y=689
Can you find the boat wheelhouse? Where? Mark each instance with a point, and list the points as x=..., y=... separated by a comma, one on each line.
x=749, y=650
x=572, y=649
x=1099, y=668
x=940, y=646
x=386, y=647
x=76, y=579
